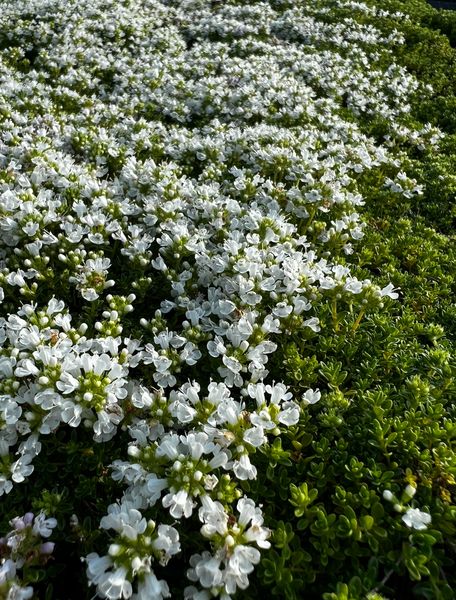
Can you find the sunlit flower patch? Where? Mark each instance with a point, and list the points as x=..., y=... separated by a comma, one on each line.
x=181, y=185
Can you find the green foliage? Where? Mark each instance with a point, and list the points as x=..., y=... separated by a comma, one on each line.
x=386, y=418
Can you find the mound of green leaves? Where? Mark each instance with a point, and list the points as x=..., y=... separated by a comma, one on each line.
x=387, y=418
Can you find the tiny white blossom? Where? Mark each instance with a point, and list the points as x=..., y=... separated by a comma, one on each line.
x=311, y=396
x=416, y=518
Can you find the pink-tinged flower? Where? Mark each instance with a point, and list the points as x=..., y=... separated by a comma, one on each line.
x=20, y=523
x=47, y=548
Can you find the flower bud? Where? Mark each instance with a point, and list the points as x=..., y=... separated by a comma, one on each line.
x=410, y=491
x=47, y=548
x=114, y=550
x=388, y=495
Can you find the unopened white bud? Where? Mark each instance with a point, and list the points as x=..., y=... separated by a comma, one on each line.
x=133, y=451
x=136, y=564
x=114, y=550
x=410, y=491
x=388, y=495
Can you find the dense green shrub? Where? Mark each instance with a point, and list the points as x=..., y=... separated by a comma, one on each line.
x=387, y=419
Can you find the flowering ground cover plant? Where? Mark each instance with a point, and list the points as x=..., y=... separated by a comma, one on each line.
x=226, y=325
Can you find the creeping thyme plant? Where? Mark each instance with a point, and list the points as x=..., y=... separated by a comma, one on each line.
x=226, y=328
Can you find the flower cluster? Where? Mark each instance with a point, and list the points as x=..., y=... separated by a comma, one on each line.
x=414, y=518
x=24, y=546
x=180, y=185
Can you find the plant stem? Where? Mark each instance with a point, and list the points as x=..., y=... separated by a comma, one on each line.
x=356, y=324
x=335, y=315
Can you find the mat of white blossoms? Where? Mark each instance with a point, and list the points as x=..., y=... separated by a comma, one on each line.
x=178, y=179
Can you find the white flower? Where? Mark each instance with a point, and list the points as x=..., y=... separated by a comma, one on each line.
x=43, y=526
x=7, y=570
x=71, y=413
x=263, y=419
x=180, y=504
x=313, y=323
x=243, y=468
x=19, y=593
x=289, y=415
x=214, y=517
x=206, y=569
x=389, y=291
x=21, y=468
x=255, y=436
x=125, y=519
x=154, y=487
x=114, y=585
x=97, y=567
x=169, y=447
x=192, y=593
x=311, y=396
x=150, y=588
x=416, y=518
x=166, y=543
x=279, y=393
x=243, y=559
x=249, y=513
